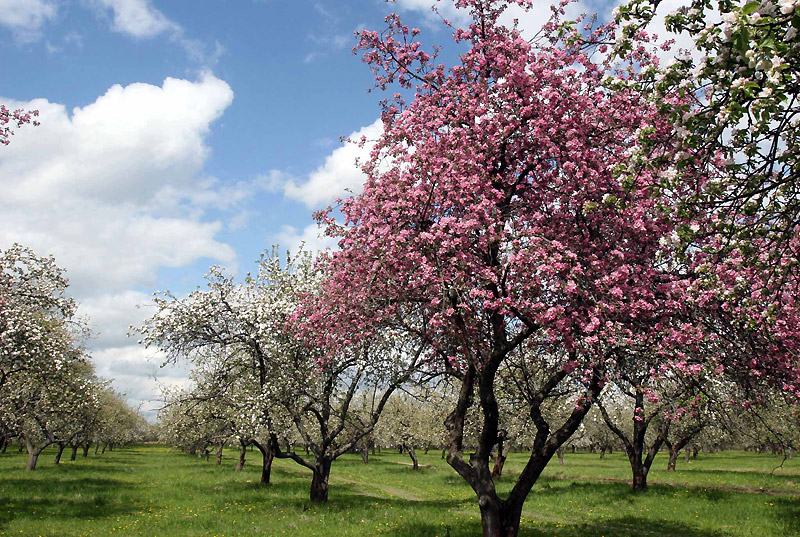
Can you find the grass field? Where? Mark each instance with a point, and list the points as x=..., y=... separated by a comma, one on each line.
x=155, y=491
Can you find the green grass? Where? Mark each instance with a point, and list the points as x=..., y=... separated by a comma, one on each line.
x=155, y=491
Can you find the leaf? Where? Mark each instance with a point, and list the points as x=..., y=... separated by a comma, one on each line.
x=750, y=7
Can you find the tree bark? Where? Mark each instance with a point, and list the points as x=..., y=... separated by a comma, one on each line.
x=86, y=447
x=219, y=454
x=365, y=454
x=602, y=453
x=560, y=453
x=267, y=455
x=32, y=460
x=242, y=456
x=500, y=460
x=61, y=446
x=74, y=454
x=104, y=448
x=673, y=459
x=33, y=454
x=413, y=454
x=319, y=482
x=498, y=517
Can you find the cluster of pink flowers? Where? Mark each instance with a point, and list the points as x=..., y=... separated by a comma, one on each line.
x=18, y=118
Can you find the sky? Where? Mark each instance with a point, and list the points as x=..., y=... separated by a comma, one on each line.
x=176, y=135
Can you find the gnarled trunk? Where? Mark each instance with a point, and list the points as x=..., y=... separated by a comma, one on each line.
x=499, y=518
x=267, y=455
x=319, y=481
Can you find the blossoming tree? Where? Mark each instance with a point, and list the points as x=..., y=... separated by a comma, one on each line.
x=499, y=217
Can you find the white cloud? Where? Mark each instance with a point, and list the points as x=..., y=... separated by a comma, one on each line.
x=340, y=175
x=97, y=188
x=139, y=19
x=310, y=237
x=445, y=9
x=26, y=17
x=116, y=191
x=138, y=374
x=111, y=315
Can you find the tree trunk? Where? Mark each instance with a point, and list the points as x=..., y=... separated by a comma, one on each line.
x=74, y=454
x=602, y=453
x=5, y=444
x=500, y=460
x=640, y=479
x=219, y=454
x=61, y=446
x=32, y=459
x=498, y=518
x=104, y=448
x=560, y=453
x=33, y=455
x=365, y=454
x=413, y=454
x=86, y=447
x=319, y=482
x=267, y=455
x=673, y=459
x=694, y=452
x=242, y=456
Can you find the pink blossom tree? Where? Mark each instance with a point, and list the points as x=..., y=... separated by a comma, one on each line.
x=14, y=118
x=501, y=216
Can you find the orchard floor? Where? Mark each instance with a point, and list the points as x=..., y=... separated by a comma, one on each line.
x=156, y=491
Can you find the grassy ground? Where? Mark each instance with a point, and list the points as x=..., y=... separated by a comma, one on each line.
x=154, y=491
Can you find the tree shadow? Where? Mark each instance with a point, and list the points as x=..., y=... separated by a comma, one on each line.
x=88, y=497
x=618, y=527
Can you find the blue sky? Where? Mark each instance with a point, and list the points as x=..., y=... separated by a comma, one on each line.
x=178, y=134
